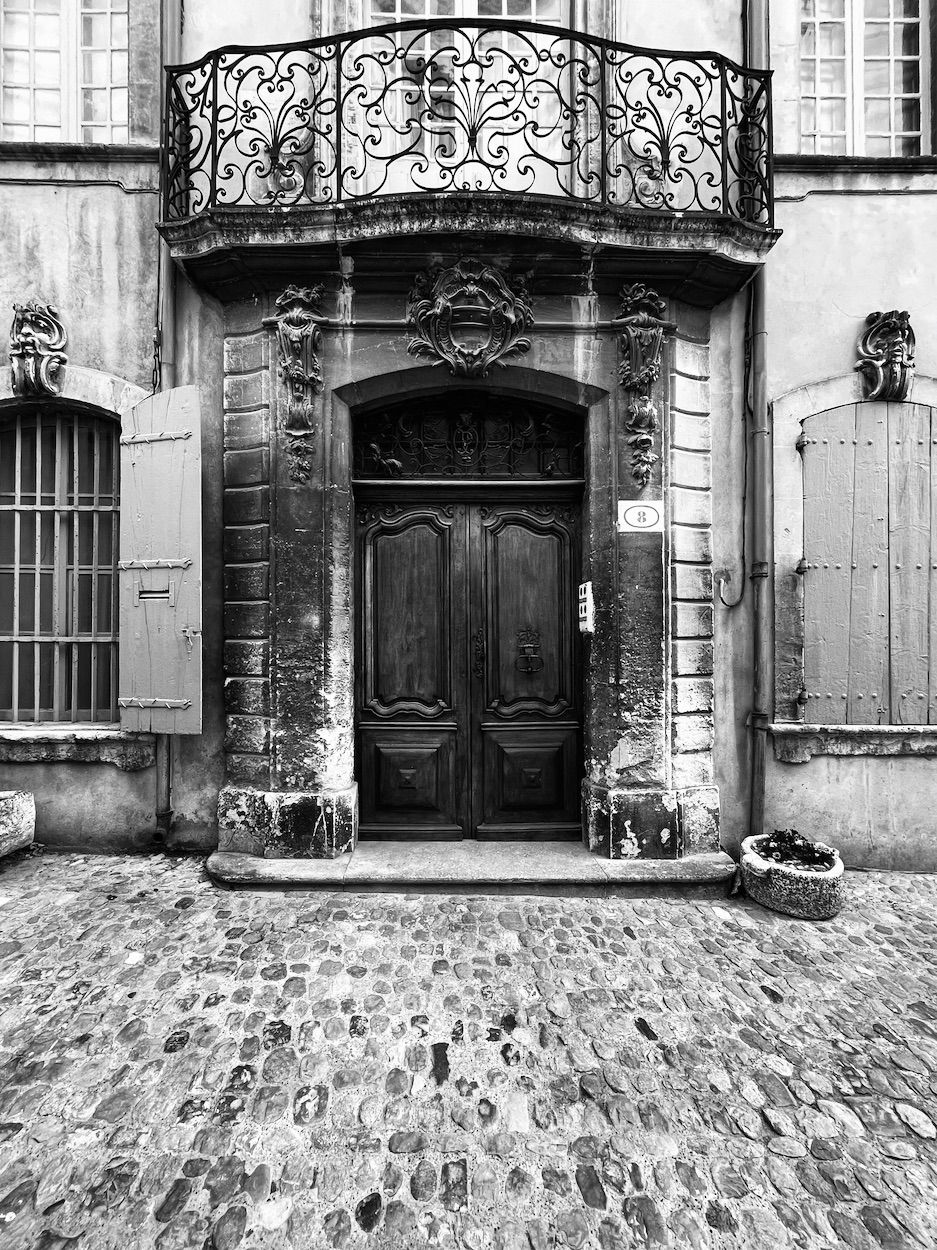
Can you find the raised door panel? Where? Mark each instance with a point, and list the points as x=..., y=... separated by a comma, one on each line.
x=527, y=589
x=406, y=645
x=532, y=782
x=407, y=780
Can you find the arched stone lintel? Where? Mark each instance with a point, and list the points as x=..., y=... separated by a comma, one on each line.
x=816, y=397
x=91, y=388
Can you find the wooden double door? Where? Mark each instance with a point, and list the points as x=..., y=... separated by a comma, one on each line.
x=467, y=683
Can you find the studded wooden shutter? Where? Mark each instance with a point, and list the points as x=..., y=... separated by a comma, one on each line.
x=160, y=567
x=870, y=508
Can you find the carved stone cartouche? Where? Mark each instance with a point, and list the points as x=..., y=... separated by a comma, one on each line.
x=468, y=317
x=642, y=332
x=886, y=355
x=298, y=339
x=37, y=356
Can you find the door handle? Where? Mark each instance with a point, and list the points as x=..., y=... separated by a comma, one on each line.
x=478, y=653
x=529, y=660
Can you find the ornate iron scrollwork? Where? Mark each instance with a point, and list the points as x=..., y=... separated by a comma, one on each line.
x=469, y=317
x=477, y=440
x=886, y=355
x=529, y=660
x=298, y=340
x=642, y=332
x=37, y=355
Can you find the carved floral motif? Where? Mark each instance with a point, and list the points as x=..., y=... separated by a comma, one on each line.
x=469, y=317
x=37, y=356
x=298, y=340
x=642, y=332
x=886, y=355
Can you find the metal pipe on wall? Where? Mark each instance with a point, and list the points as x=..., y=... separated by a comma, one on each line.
x=755, y=33
x=165, y=364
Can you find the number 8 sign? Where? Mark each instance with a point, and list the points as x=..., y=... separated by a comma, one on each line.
x=644, y=517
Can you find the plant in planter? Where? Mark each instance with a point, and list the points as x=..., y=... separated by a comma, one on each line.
x=789, y=873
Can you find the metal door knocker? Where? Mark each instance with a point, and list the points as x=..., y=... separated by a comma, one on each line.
x=529, y=659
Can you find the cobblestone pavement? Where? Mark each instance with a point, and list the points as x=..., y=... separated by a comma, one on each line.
x=182, y=1066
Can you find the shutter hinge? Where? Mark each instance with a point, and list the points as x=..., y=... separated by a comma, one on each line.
x=160, y=703
x=155, y=564
x=189, y=634
x=802, y=441
x=167, y=436
x=802, y=566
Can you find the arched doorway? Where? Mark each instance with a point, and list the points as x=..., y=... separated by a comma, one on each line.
x=468, y=704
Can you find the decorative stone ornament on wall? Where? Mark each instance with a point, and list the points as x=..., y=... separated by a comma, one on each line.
x=469, y=317
x=642, y=332
x=298, y=340
x=37, y=356
x=886, y=355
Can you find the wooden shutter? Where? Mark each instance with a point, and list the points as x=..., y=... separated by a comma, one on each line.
x=160, y=643
x=869, y=543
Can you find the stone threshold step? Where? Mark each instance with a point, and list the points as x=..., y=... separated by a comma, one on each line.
x=471, y=867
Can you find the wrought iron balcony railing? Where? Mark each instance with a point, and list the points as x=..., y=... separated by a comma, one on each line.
x=487, y=108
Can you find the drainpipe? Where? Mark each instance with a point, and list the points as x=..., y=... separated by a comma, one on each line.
x=165, y=372
x=757, y=56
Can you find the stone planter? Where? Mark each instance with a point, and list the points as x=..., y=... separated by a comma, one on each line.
x=791, y=889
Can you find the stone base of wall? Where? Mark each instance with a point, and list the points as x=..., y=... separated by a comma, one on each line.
x=288, y=824
x=650, y=824
x=17, y=820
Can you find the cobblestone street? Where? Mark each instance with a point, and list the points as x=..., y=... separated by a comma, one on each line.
x=182, y=1066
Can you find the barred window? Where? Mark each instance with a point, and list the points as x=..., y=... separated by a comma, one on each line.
x=59, y=483
x=64, y=70
x=864, y=71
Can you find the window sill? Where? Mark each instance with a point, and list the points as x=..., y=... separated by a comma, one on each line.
x=796, y=743
x=795, y=163
x=18, y=149
x=77, y=744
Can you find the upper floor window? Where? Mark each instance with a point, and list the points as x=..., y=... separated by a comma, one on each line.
x=552, y=11
x=64, y=70
x=58, y=565
x=863, y=73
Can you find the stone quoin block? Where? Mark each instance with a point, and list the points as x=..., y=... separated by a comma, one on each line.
x=247, y=390
x=689, y=394
x=246, y=620
x=692, y=731
x=691, y=358
x=692, y=581
x=249, y=770
x=692, y=620
x=288, y=824
x=249, y=696
x=690, y=507
x=246, y=429
x=17, y=820
x=247, y=505
x=244, y=353
x=699, y=819
x=692, y=432
x=244, y=544
x=644, y=824
x=247, y=659
x=692, y=769
x=691, y=468
x=692, y=694
x=247, y=581
x=692, y=658
x=247, y=733
x=246, y=468
x=691, y=543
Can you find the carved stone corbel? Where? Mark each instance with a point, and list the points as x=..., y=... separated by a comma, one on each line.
x=298, y=341
x=37, y=356
x=642, y=330
x=469, y=317
x=886, y=355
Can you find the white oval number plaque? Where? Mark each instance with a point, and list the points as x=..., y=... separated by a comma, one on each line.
x=646, y=516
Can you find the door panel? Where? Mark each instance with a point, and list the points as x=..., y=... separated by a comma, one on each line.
x=467, y=681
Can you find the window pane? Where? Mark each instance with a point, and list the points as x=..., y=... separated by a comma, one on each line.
x=876, y=39
x=119, y=68
x=15, y=104
x=47, y=69
x=833, y=76
x=47, y=32
x=119, y=30
x=907, y=39
x=16, y=67
x=808, y=115
x=832, y=115
x=907, y=76
x=46, y=134
x=909, y=115
x=94, y=68
x=877, y=145
x=833, y=39
x=93, y=105
x=876, y=8
x=6, y=598
x=48, y=107
x=119, y=104
x=16, y=30
x=907, y=8
x=832, y=8
x=48, y=6
x=94, y=33
x=808, y=39
x=907, y=145
x=878, y=116
x=27, y=602
x=6, y=678
x=877, y=77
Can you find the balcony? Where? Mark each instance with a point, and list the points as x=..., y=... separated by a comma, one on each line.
x=425, y=127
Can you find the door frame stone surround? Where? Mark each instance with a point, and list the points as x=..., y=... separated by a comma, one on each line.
x=648, y=789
